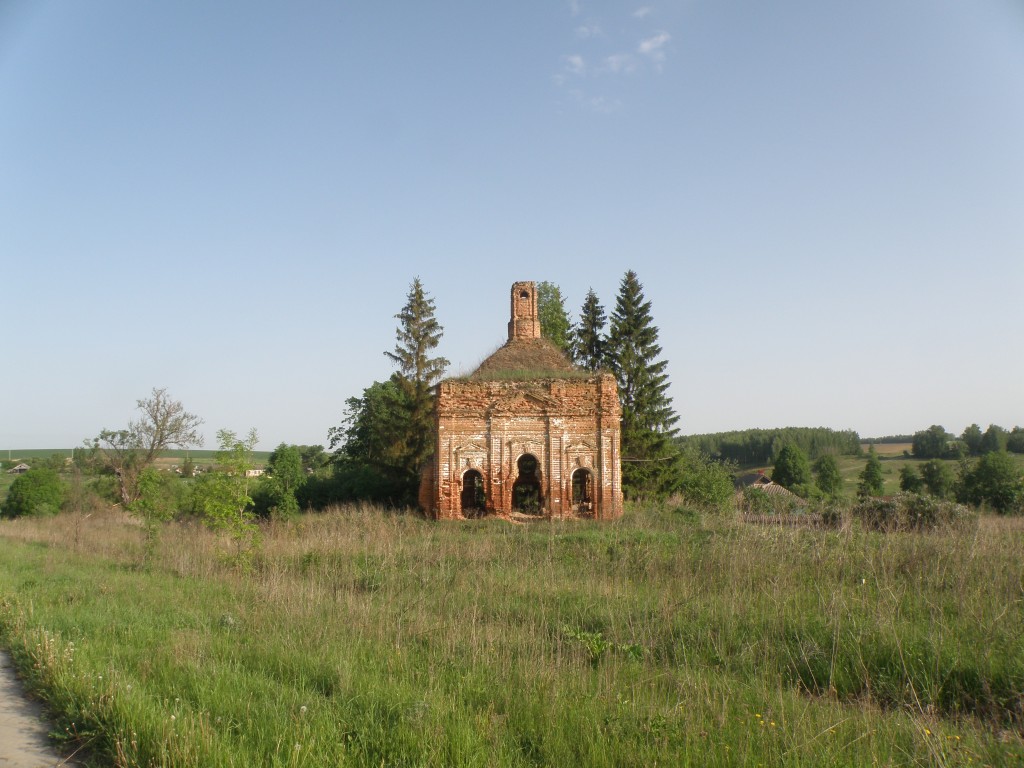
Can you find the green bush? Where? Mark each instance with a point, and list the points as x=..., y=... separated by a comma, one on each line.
x=759, y=502
x=910, y=512
x=706, y=482
x=37, y=492
x=995, y=480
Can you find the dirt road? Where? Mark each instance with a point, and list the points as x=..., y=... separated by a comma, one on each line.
x=23, y=742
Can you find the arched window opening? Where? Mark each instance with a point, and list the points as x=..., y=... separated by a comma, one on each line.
x=583, y=491
x=473, y=502
x=526, y=496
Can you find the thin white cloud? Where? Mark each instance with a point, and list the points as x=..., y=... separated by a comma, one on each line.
x=606, y=57
x=575, y=64
x=596, y=103
x=619, y=63
x=652, y=45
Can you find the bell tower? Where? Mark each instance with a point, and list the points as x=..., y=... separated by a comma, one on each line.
x=525, y=322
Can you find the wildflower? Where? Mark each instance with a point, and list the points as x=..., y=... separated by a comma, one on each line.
x=927, y=732
x=302, y=709
x=298, y=747
x=173, y=718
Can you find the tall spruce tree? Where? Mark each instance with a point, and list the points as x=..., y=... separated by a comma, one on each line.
x=650, y=460
x=417, y=335
x=588, y=339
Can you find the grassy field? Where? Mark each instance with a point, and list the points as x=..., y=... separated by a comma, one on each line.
x=667, y=638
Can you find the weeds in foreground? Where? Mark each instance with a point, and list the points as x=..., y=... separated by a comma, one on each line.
x=363, y=637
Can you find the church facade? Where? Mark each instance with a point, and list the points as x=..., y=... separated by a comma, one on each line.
x=526, y=433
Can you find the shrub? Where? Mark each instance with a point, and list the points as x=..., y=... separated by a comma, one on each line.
x=37, y=492
x=910, y=512
x=758, y=502
x=996, y=480
x=705, y=482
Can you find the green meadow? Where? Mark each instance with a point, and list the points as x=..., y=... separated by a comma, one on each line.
x=670, y=637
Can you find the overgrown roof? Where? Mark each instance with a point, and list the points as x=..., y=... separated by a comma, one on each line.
x=526, y=359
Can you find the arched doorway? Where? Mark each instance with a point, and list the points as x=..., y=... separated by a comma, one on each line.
x=583, y=491
x=472, y=501
x=526, y=497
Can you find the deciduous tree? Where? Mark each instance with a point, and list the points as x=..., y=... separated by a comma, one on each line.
x=792, y=468
x=996, y=480
x=1015, y=440
x=994, y=439
x=705, y=482
x=931, y=443
x=223, y=495
x=938, y=478
x=972, y=439
x=286, y=476
x=554, y=320
x=162, y=423
x=828, y=477
x=158, y=496
x=910, y=481
x=37, y=492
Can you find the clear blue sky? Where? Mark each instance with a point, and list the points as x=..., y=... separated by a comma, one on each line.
x=823, y=201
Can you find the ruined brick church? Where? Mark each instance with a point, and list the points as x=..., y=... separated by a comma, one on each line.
x=526, y=433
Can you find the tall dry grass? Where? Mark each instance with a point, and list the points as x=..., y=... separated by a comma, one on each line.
x=368, y=637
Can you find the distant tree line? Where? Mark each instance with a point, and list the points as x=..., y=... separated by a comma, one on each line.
x=754, y=447
x=936, y=443
x=995, y=479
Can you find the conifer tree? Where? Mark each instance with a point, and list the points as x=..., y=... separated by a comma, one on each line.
x=387, y=434
x=588, y=339
x=417, y=335
x=650, y=460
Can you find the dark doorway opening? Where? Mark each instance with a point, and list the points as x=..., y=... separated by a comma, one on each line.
x=526, y=496
x=583, y=491
x=472, y=501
